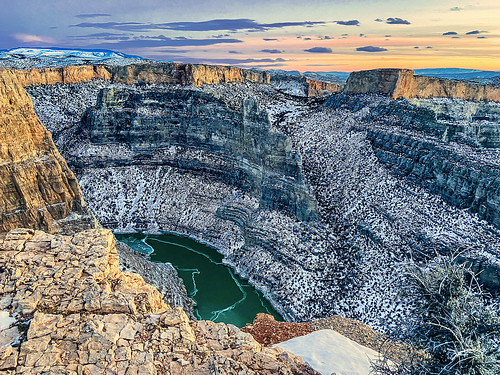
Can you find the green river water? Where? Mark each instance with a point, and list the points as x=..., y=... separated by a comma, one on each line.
x=220, y=295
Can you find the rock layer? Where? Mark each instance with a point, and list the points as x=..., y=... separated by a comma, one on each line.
x=82, y=315
x=398, y=83
x=38, y=190
x=240, y=146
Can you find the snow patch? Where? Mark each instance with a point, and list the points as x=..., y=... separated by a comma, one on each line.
x=329, y=352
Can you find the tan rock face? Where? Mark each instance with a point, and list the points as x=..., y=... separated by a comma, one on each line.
x=85, y=316
x=37, y=189
x=398, y=83
x=185, y=74
x=319, y=88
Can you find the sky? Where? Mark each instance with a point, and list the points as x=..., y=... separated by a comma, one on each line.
x=312, y=35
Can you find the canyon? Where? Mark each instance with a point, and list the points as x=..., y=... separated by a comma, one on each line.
x=318, y=201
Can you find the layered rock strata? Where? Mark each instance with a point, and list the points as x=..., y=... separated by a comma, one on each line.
x=402, y=83
x=82, y=315
x=348, y=262
x=238, y=147
x=38, y=190
x=438, y=145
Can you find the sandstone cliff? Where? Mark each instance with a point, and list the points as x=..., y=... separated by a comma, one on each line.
x=184, y=74
x=320, y=88
x=398, y=83
x=84, y=316
x=38, y=189
x=150, y=72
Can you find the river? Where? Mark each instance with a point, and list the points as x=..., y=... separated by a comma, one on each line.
x=220, y=294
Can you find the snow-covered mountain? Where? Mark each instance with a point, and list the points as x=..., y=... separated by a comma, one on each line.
x=54, y=57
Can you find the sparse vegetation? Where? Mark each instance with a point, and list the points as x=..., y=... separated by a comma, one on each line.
x=452, y=331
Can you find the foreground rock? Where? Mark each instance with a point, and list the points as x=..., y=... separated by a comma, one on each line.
x=82, y=315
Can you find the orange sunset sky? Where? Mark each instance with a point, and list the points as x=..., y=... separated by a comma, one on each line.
x=316, y=35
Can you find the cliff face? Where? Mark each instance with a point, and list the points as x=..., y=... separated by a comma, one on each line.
x=185, y=74
x=238, y=147
x=319, y=88
x=82, y=314
x=438, y=145
x=38, y=189
x=397, y=83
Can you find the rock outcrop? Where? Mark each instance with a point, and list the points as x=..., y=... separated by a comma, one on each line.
x=238, y=147
x=38, y=190
x=321, y=88
x=197, y=74
x=82, y=315
x=402, y=83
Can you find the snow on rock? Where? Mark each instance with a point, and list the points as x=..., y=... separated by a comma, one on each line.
x=329, y=352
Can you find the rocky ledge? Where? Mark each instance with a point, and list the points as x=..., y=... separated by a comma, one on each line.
x=74, y=312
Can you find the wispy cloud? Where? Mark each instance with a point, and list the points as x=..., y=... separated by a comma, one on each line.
x=93, y=15
x=475, y=32
x=271, y=51
x=450, y=33
x=371, y=49
x=456, y=9
x=29, y=38
x=319, y=50
x=348, y=23
x=397, y=21
x=162, y=41
x=210, y=25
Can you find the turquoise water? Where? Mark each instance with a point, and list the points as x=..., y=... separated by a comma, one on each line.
x=220, y=295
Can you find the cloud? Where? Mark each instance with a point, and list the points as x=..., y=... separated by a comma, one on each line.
x=28, y=38
x=378, y=20
x=481, y=37
x=428, y=47
x=271, y=51
x=162, y=41
x=397, y=21
x=456, y=9
x=93, y=15
x=307, y=38
x=195, y=60
x=327, y=37
x=348, y=23
x=450, y=33
x=371, y=49
x=319, y=50
x=388, y=36
x=475, y=32
x=211, y=25
x=269, y=39
x=235, y=52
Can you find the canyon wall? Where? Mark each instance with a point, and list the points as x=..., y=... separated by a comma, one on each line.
x=38, y=190
x=238, y=147
x=441, y=145
x=402, y=83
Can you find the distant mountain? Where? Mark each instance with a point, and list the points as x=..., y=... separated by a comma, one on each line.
x=62, y=53
x=54, y=57
x=457, y=73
